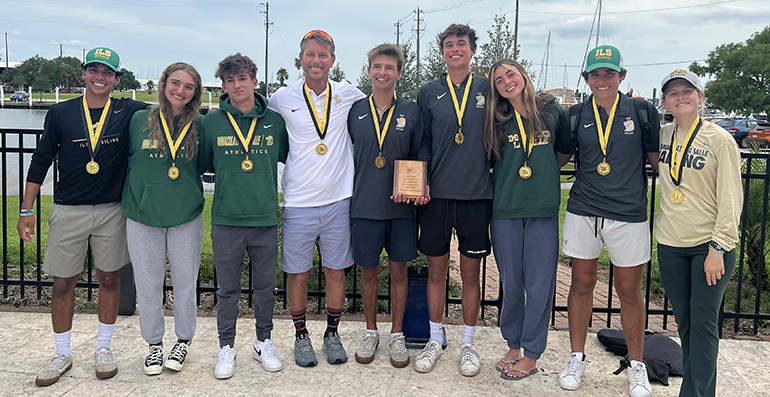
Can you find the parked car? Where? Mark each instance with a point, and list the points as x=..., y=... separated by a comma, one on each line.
x=760, y=137
x=19, y=96
x=739, y=129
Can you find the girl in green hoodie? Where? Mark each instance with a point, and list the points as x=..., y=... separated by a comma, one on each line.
x=163, y=201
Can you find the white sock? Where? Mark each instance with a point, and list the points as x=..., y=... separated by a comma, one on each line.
x=373, y=331
x=105, y=335
x=435, y=332
x=469, y=335
x=62, y=342
x=395, y=334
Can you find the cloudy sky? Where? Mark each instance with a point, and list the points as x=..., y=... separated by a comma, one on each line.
x=655, y=36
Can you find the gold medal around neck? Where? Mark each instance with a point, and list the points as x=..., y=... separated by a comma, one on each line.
x=525, y=172
x=603, y=168
x=247, y=165
x=92, y=167
x=321, y=149
x=379, y=161
x=459, y=138
x=173, y=172
x=677, y=196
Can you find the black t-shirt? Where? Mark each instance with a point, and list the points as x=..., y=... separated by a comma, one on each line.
x=457, y=172
x=372, y=186
x=622, y=194
x=65, y=135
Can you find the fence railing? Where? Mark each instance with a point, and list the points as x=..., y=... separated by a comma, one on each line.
x=750, y=273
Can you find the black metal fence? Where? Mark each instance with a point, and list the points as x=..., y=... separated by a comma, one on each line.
x=750, y=272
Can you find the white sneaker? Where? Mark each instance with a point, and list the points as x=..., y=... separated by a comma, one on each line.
x=366, y=351
x=427, y=357
x=225, y=362
x=569, y=379
x=638, y=382
x=264, y=352
x=469, y=360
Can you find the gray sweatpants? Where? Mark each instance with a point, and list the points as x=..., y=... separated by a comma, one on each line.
x=147, y=247
x=526, y=251
x=229, y=244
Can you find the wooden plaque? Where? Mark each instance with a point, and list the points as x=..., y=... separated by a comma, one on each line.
x=410, y=177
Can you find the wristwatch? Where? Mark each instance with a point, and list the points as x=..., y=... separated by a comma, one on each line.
x=716, y=247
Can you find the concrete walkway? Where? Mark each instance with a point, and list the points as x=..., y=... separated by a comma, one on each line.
x=26, y=343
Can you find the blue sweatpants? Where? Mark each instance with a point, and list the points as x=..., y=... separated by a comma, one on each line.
x=526, y=251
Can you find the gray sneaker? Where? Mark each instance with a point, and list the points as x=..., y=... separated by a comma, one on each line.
x=426, y=360
x=52, y=371
x=106, y=367
x=335, y=353
x=304, y=355
x=399, y=356
x=369, y=344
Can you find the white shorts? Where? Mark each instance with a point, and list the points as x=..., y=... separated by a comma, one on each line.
x=628, y=243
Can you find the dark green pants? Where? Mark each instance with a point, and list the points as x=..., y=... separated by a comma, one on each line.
x=696, y=308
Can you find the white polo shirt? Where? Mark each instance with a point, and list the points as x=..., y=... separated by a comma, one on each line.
x=310, y=179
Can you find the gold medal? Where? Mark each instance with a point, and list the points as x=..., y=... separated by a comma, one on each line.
x=321, y=149
x=380, y=161
x=525, y=172
x=677, y=196
x=247, y=165
x=173, y=172
x=459, y=138
x=92, y=167
x=603, y=168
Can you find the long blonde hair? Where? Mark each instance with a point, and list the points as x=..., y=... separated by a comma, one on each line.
x=189, y=114
x=500, y=111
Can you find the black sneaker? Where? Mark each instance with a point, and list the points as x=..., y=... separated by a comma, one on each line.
x=176, y=357
x=153, y=364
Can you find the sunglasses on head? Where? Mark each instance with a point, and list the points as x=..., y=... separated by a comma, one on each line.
x=321, y=32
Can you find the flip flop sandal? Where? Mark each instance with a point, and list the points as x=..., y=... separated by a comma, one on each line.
x=505, y=375
x=501, y=369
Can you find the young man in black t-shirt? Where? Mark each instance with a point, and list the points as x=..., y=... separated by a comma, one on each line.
x=89, y=134
x=383, y=128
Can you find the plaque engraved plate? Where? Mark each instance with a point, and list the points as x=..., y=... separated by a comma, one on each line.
x=409, y=177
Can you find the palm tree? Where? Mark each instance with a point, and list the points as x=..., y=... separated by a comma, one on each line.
x=150, y=86
x=282, y=75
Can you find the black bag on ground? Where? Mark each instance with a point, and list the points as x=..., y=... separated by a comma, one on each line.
x=662, y=356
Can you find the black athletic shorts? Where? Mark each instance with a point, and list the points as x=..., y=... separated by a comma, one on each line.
x=469, y=219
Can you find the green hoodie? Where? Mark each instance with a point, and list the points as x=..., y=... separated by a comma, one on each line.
x=244, y=198
x=150, y=197
x=540, y=195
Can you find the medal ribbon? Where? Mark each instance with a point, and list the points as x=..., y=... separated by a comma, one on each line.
x=677, y=165
x=93, y=136
x=381, y=133
x=460, y=109
x=604, y=135
x=527, y=144
x=245, y=142
x=173, y=145
x=320, y=126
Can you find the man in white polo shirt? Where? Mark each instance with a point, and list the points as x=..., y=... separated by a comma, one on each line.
x=317, y=186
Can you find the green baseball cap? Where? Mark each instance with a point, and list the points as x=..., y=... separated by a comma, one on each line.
x=605, y=56
x=104, y=55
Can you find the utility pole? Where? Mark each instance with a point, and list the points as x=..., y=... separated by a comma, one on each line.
x=60, y=51
x=267, y=32
x=6, y=51
x=84, y=55
x=418, y=11
x=516, y=34
x=398, y=31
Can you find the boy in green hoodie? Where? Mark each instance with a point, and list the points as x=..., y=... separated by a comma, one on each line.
x=243, y=143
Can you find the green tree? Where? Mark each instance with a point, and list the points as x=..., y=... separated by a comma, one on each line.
x=297, y=64
x=337, y=74
x=364, y=82
x=433, y=65
x=741, y=74
x=35, y=72
x=127, y=81
x=407, y=87
x=150, y=86
x=282, y=75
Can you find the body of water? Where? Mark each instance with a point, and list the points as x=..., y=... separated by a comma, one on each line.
x=19, y=118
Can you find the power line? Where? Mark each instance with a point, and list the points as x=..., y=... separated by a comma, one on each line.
x=453, y=6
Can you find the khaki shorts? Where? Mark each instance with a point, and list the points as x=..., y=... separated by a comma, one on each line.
x=71, y=227
x=628, y=243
